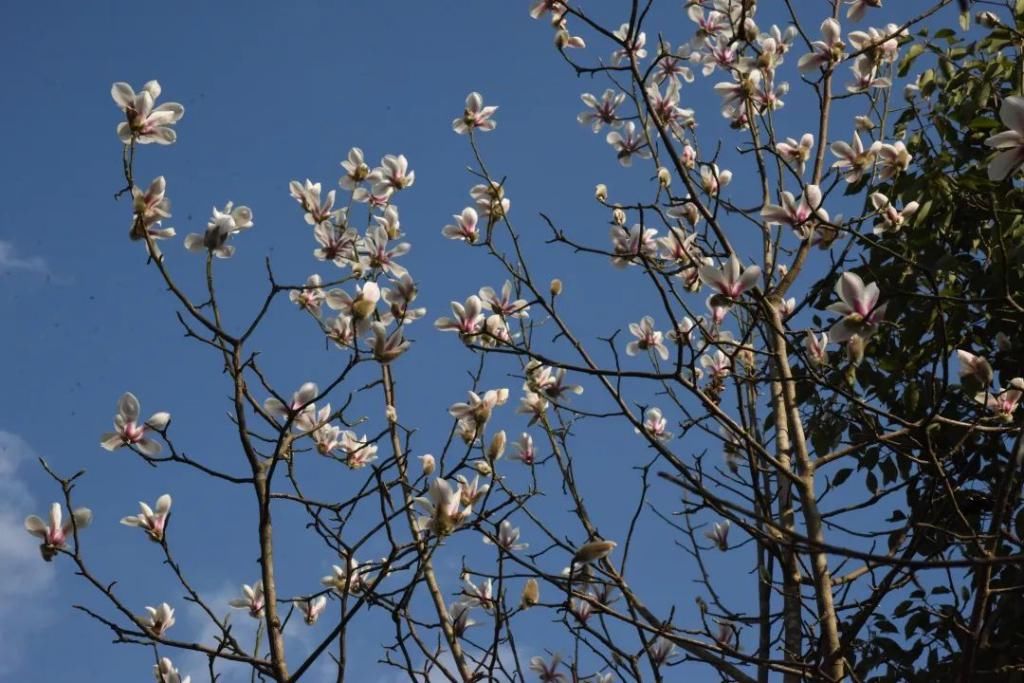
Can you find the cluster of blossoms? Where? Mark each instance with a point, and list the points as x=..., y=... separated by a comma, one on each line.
x=976, y=372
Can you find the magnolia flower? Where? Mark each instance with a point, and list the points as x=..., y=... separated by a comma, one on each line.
x=388, y=347
x=152, y=521
x=1011, y=142
x=627, y=143
x=630, y=245
x=471, y=492
x=892, y=159
x=563, y=38
x=890, y=218
x=360, y=307
x=548, y=672
x=878, y=45
x=475, y=116
x=379, y=255
x=660, y=650
x=672, y=65
x=865, y=76
x=508, y=538
x=159, y=619
x=504, y=304
x=859, y=306
x=337, y=244
x=301, y=401
x=796, y=152
x=311, y=609
x=713, y=180
x=149, y=208
x=647, y=338
x=974, y=367
x=815, y=346
x=1003, y=403
x=683, y=334
x=443, y=509
x=551, y=383
x=459, y=617
x=524, y=451
x=164, y=672
x=666, y=107
x=728, y=633
x=353, y=579
x=801, y=217
x=718, y=364
x=858, y=7
x=854, y=157
x=356, y=170
x=127, y=431
x=144, y=123
x=221, y=226
x=581, y=609
x=478, y=596
x=465, y=227
x=731, y=280
x=392, y=175
x=308, y=197
x=634, y=46
x=655, y=425
x=341, y=331
x=251, y=599
x=479, y=408
x=719, y=533
x=602, y=111
x=398, y=298
x=467, y=321
x=55, y=534
x=310, y=297
x=490, y=200
x=359, y=451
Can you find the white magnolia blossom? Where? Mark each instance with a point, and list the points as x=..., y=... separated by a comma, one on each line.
x=302, y=400
x=732, y=279
x=392, y=175
x=152, y=520
x=827, y=51
x=145, y=123
x=796, y=152
x=628, y=143
x=459, y=616
x=974, y=367
x=660, y=650
x=165, y=672
x=717, y=364
x=387, y=347
x=534, y=405
x=713, y=180
x=802, y=216
x=443, y=509
x=890, y=219
x=128, y=431
x=479, y=408
x=859, y=307
x=311, y=609
x=548, y=672
x=476, y=116
x=673, y=65
x=865, y=76
x=490, y=199
x=337, y=242
x=360, y=308
x=647, y=338
x=310, y=297
x=859, y=7
x=719, y=534
x=308, y=197
x=892, y=159
x=524, y=450
x=507, y=537
x=629, y=246
x=353, y=578
x=467, y=321
x=602, y=111
x=359, y=451
x=1010, y=143
x=149, y=209
x=356, y=170
x=222, y=225
x=634, y=49
x=854, y=159
x=55, y=534
x=816, y=346
x=1003, y=402
x=465, y=228
x=380, y=255
x=478, y=596
x=252, y=599
x=655, y=425
x=503, y=304
x=158, y=619
x=548, y=381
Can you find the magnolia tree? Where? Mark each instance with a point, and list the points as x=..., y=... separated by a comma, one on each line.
x=832, y=402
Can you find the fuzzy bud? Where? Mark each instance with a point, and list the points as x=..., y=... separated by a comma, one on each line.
x=556, y=287
x=601, y=192
x=428, y=463
x=618, y=216
x=483, y=467
x=664, y=177
x=855, y=350
x=987, y=19
x=593, y=551
x=497, y=447
x=531, y=594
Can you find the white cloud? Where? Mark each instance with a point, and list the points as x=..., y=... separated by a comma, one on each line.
x=26, y=578
x=11, y=261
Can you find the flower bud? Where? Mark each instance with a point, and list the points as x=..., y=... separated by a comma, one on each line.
x=688, y=156
x=618, y=216
x=664, y=177
x=497, y=447
x=601, y=192
x=864, y=123
x=391, y=414
x=987, y=19
x=531, y=594
x=483, y=467
x=855, y=350
x=593, y=551
x=556, y=287
x=428, y=463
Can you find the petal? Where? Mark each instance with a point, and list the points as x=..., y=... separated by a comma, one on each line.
x=158, y=421
x=163, y=504
x=36, y=526
x=128, y=407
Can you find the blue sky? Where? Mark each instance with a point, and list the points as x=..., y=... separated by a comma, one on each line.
x=273, y=92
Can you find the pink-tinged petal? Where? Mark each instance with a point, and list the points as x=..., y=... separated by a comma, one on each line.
x=123, y=95
x=1012, y=113
x=111, y=441
x=128, y=406
x=842, y=331
x=1005, y=164
x=35, y=526
x=749, y=277
x=163, y=504
x=850, y=288
x=55, y=516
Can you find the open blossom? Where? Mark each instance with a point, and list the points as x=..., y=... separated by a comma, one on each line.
x=802, y=216
x=476, y=116
x=666, y=107
x=974, y=367
x=717, y=363
x=602, y=111
x=359, y=452
x=490, y=200
x=465, y=228
x=673, y=65
x=311, y=609
x=308, y=197
x=392, y=175
x=796, y=152
x=892, y=159
x=634, y=46
x=647, y=338
x=1004, y=402
x=300, y=400
x=732, y=279
x=859, y=307
x=458, y=614
x=854, y=160
x=399, y=297
x=145, y=123
x=152, y=520
x=164, y=672
x=149, y=208
x=548, y=381
x=479, y=408
x=719, y=533
x=655, y=424
x=685, y=329
x=713, y=180
x=534, y=405
x=816, y=347
x=55, y=534
x=478, y=596
x=159, y=619
x=890, y=219
x=353, y=578
x=310, y=297
x=629, y=142
x=660, y=650
x=356, y=170
x=379, y=255
x=128, y=431
x=826, y=51
x=548, y=672
x=503, y=304
x=1009, y=142
x=443, y=508
x=865, y=76
x=524, y=450
x=252, y=599
x=231, y=221
x=859, y=7
x=630, y=245
x=467, y=321
x=388, y=347
x=507, y=538
x=337, y=242
x=879, y=46
x=359, y=307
